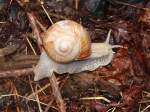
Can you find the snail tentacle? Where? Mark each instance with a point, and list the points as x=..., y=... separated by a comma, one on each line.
x=108, y=37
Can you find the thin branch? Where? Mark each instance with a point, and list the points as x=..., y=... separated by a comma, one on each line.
x=8, y=95
x=16, y=73
x=46, y=13
x=56, y=93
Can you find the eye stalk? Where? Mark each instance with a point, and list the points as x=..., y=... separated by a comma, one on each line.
x=103, y=49
x=108, y=39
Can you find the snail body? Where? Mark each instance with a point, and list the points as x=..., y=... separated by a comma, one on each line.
x=68, y=49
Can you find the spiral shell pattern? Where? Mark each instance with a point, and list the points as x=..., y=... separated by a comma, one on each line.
x=66, y=41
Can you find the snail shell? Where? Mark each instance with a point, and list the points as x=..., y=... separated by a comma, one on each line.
x=87, y=56
x=67, y=41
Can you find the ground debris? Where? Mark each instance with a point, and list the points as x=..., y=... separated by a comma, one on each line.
x=122, y=86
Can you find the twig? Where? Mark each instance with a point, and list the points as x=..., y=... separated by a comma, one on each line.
x=36, y=96
x=8, y=50
x=12, y=65
x=56, y=93
x=48, y=106
x=57, y=16
x=46, y=13
x=34, y=27
x=40, y=90
x=7, y=95
x=40, y=25
x=2, y=22
x=127, y=4
x=77, y=4
x=16, y=98
x=145, y=108
x=16, y=73
x=40, y=108
x=22, y=57
x=96, y=98
x=31, y=46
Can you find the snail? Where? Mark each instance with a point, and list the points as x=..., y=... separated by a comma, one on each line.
x=68, y=49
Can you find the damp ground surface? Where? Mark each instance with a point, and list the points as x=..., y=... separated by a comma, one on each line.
x=121, y=86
